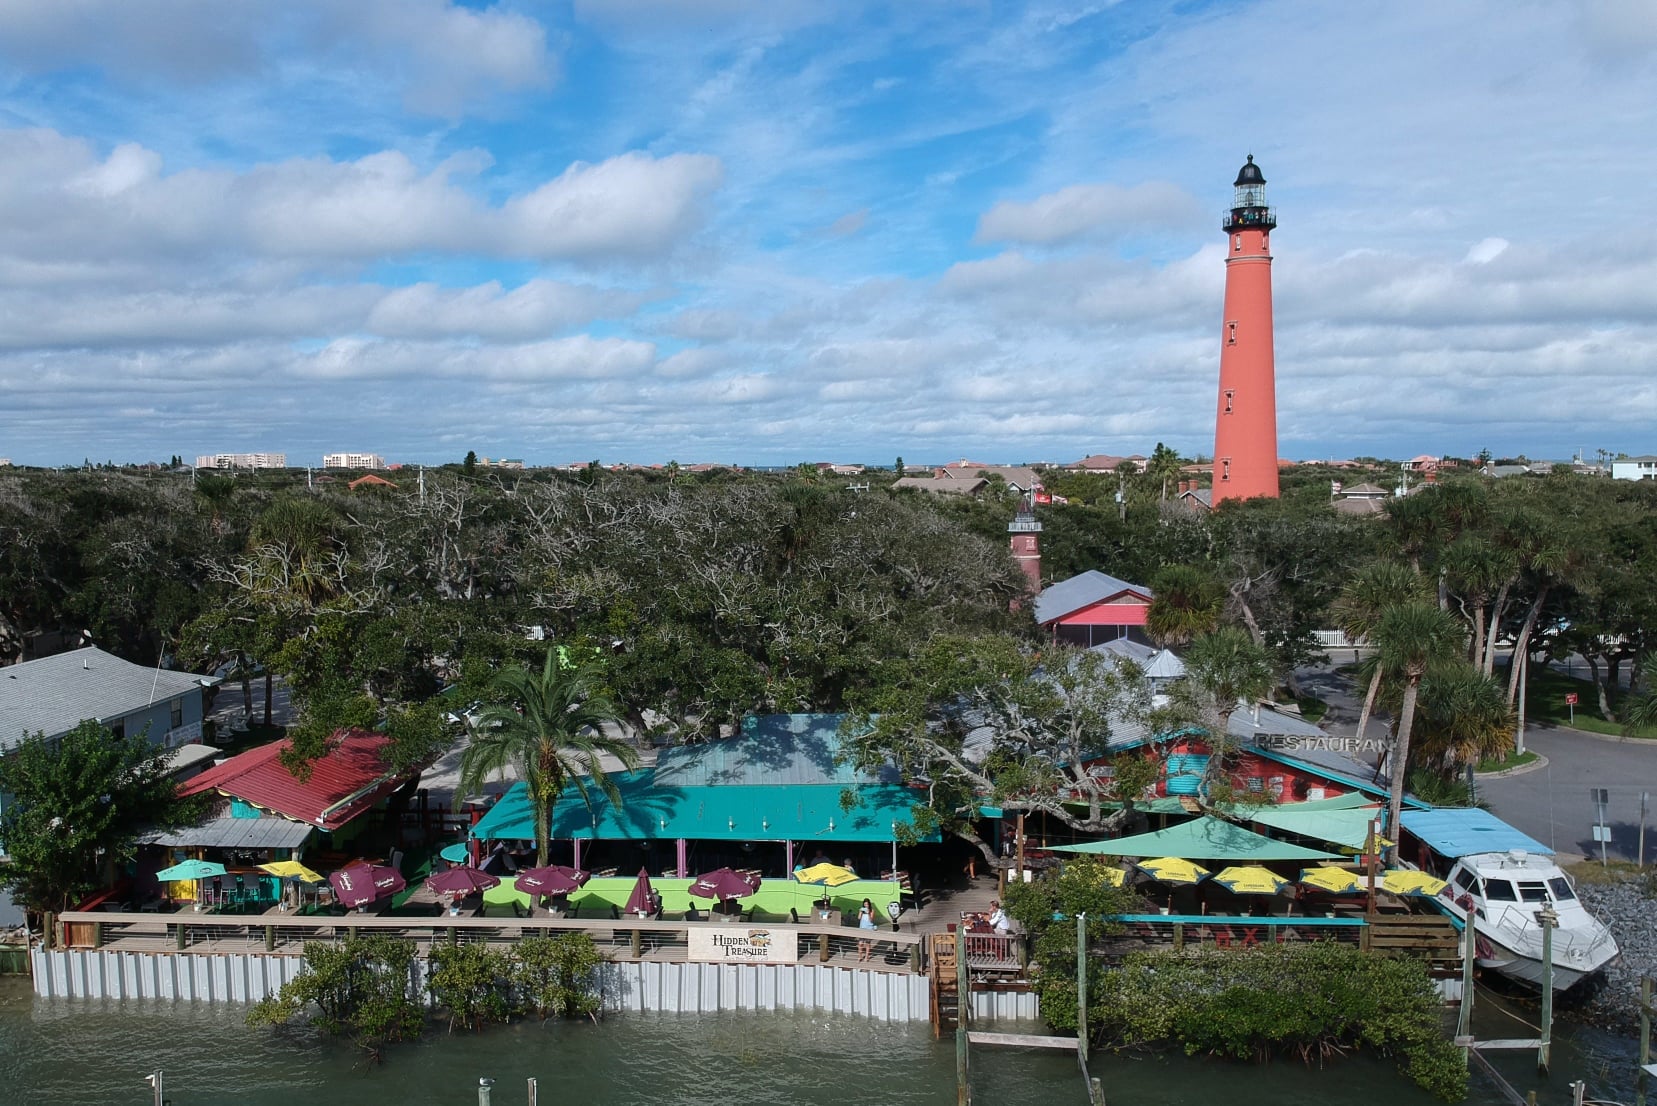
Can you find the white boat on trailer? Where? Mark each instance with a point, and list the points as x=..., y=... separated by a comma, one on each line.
x=1500, y=880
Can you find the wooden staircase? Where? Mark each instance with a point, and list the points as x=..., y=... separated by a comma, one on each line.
x=946, y=990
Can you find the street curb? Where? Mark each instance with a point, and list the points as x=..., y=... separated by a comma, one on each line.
x=1611, y=738
x=1540, y=762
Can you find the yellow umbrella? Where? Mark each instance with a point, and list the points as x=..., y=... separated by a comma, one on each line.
x=1115, y=876
x=1250, y=879
x=291, y=869
x=829, y=875
x=1407, y=881
x=1337, y=881
x=1173, y=869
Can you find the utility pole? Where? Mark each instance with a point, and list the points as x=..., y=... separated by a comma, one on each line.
x=1523, y=661
x=422, y=483
x=1469, y=959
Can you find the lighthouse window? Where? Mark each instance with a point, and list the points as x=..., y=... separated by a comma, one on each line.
x=1229, y=394
x=1236, y=243
x=1231, y=333
x=1225, y=469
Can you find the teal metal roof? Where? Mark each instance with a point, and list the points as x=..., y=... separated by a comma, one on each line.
x=1200, y=839
x=1347, y=827
x=651, y=810
x=772, y=749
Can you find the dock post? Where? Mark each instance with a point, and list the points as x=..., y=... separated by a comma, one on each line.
x=97, y=935
x=1469, y=958
x=532, y=1091
x=963, y=1008
x=1645, y=1039
x=638, y=943
x=1547, y=919
x=1179, y=936
x=1081, y=988
x=270, y=938
x=823, y=947
x=484, y=1092
x=183, y=936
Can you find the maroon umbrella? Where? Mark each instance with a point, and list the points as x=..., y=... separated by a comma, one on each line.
x=461, y=881
x=360, y=884
x=724, y=885
x=554, y=879
x=643, y=899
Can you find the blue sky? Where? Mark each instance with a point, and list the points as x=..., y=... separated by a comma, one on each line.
x=652, y=230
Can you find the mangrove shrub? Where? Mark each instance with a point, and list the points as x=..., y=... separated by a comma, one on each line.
x=1311, y=1001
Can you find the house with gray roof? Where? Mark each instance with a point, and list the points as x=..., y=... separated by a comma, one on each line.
x=53, y=695
x=1092, y=608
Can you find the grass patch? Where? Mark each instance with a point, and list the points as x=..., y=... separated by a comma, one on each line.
x=1504, y=763
x=1312, y=709
x=1545, y=702
x=1593, y=872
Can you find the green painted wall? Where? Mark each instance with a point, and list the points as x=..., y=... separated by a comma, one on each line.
x=774, y=897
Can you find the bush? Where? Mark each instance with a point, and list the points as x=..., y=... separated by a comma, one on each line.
x=471, y=982
x=1312, y=1001
x=558, y=975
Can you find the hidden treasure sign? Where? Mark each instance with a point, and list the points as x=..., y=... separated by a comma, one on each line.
x=745, y=946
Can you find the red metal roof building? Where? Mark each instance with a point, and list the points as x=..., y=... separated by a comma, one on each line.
x=344, y=783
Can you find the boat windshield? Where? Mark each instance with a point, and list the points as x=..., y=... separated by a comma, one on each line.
x=1561, y=889
x=1533, y=892
x=1499, y=890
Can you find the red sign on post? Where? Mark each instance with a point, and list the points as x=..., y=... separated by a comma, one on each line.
x=1570, y=699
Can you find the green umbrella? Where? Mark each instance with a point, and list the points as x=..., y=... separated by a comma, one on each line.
x=190, y=869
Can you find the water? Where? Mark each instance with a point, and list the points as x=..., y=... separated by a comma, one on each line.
x=95, y=1053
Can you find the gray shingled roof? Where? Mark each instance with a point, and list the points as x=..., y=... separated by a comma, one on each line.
x=771, y=749
x=55, y=694
x=1060, y=599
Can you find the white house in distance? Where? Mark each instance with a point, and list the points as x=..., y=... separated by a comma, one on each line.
x=53, y=695
x=1635, y=468
x=242, y=461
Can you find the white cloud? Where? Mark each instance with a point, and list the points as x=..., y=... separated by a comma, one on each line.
x=1083, y=210
x=631, y=204
x=443, y=55
x=59, y=201
x=1486, y=251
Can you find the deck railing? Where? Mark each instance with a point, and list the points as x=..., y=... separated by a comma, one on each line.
x=621, y=939
x=1179, y=931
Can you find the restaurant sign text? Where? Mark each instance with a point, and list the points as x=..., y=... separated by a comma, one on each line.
x=1327, y=743
x=744, y=945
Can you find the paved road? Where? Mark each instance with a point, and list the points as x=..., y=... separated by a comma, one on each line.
x=1552, y=804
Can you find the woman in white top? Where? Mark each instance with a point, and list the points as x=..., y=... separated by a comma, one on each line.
x=998, y=918
x=866, y=922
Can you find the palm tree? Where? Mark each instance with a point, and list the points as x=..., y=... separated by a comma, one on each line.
x=1186, y=602
x=1229, y=669
x=1640, y=711
x=1374, y=588
x=547, y=726
x=1462, y=717
x=1409, y=639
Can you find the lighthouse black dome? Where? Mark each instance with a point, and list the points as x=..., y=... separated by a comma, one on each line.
x=1249, y=175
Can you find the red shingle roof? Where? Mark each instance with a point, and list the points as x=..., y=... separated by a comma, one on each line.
x=348, y=780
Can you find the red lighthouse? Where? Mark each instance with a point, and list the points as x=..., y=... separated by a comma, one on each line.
x=1245, y=425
